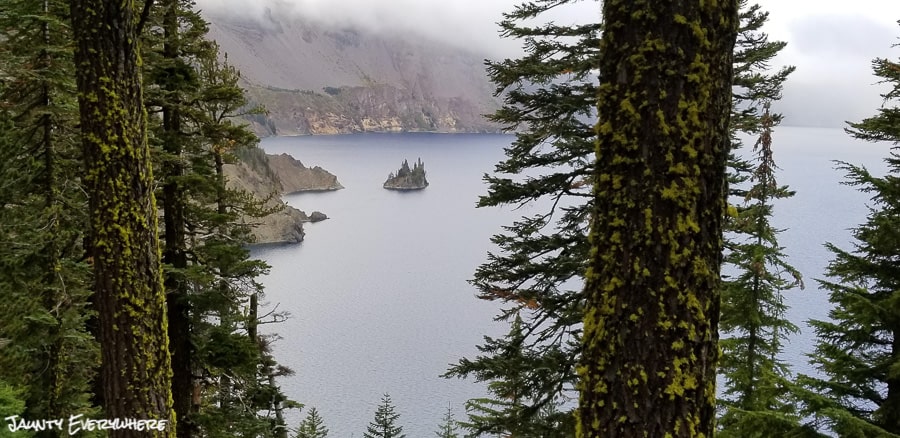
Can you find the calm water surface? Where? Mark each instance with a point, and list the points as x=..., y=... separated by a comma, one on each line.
x=378, y=295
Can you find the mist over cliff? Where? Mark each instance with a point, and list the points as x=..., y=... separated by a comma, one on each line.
x=319, y=77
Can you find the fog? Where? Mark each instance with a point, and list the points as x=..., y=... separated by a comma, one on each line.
x=469, y=24
x=830, y=42
x=833, y=54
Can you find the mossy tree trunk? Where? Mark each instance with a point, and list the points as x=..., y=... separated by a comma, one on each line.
x=135, y=371
x=652, y=286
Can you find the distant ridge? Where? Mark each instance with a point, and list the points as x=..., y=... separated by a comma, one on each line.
x=316, y=79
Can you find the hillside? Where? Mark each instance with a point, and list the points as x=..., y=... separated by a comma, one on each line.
x=268, y=177
x=314, y=79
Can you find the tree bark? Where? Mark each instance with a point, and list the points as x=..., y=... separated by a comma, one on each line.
x=175, y=249
x=652, y=309
x=135, y=371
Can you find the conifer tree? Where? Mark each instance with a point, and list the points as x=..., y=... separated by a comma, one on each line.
x=43, y=277
x=754, y=83
x=449, y=425
x=652, y=286
x=169, y=54
x=753, y=323
x=124, y=243
x=313, y=426
x=385, y=423
x=514, y=375
x=550, y=94
x=753, y=311
x=224, y=369
x=857, y=347
x=11, y=405
x=234, y=293
x=549, y=98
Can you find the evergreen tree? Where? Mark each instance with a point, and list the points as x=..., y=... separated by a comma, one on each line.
x=753, y=311
x=169, y=49
x=754, y=83
x=857, y=348
x=448, y=427
x=223, y=372
x=43, y=277
x=753, y=323
x=123, y=239
x=652, y=286
x=313, y=426
x=549, y=99
x=385, y=423
x=233, y=292
x=514, y=374
x=11, y=405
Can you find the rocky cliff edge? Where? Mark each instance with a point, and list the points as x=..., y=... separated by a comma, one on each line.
x=318, y=78
x=269, y=177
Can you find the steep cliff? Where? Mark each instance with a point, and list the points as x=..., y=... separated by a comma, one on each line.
x=268, y=177
x=317, y=79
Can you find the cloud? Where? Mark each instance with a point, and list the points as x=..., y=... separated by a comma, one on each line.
x=831, y=43
x=829, y=35
x=463, y=23
x=834, y=81
x=469, y=24
x=809, y=104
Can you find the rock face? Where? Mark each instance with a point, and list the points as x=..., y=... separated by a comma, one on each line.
x=315, y=78
x=268, y=177
x=317, y=216
x=285, y=226
x=295, y=177
x=406, y=178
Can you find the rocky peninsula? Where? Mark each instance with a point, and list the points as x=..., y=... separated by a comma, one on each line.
x=295, y=177
x=406, y=178
x=270, y=176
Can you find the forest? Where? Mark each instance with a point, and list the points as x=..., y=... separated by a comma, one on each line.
x=647, y=302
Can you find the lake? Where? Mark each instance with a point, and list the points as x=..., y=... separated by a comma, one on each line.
x=378, y=293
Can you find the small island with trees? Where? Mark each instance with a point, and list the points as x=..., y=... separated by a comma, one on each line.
x=406, y=178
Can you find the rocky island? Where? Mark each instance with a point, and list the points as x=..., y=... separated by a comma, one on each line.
x=406, y=178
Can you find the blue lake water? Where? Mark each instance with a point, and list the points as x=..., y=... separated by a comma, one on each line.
x=378, y=293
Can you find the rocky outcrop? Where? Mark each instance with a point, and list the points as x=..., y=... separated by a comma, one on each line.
x=313, y=78
x=317, y=216
x=406, y=178
x=295, y=177
x=377, y=108
x=285, y=226
x=268, y=177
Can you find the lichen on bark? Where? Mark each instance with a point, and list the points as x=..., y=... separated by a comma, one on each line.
x=124, y=245
x=650, y=325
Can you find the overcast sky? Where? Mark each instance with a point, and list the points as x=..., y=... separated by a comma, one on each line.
x=832, y=42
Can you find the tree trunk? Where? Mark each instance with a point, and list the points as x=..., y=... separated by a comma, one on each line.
x=51, y=250
x=652, y=287
x=174, y=252
x=135, y=370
